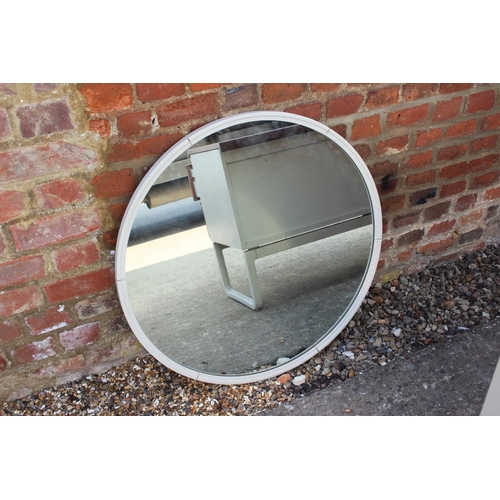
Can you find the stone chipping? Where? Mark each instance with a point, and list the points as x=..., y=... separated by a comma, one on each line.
x=396, y=318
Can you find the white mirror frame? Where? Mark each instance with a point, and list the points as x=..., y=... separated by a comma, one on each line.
x=150, y=178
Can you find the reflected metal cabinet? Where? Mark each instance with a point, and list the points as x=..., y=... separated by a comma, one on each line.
x=272, y=191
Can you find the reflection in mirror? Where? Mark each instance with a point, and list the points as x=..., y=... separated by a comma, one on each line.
x=255, y=258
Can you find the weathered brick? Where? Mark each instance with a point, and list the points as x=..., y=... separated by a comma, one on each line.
x=387, y=185
x=137, y=123
x=240, y=97
x=421, y=178
x=427, y=137
x=310, y=110
x=325, y=87
x=7, y=89
x=117, y=211
x=114, y=183
x=78, y=286
x=407, y=116
x=364, y=150
x=415, y=91
x=404, y=256
x=147, y=92
x=57, y=193
x=386, y=244
x=391, y=146
x=492, y=194
x=197, y=107
x=482, y=101
x=437, y=211
x=490, y=122
x=462, y=128
x=4, y=124
x=341, y=129
x=199, y=87
x=90, y=308
x=345, y=105
x=9, y=331
x=48, y=320
x=450, y=88
x=3, y=245
x=75, y=256
x=21, y=270
x=480, y=181
x=482, y=143
x=4, y=362
x=491, y=212
x=55, y=229
x=44, y=118
x=80, y=336
x=366, y=127
x=441, y=227
x=465, y=167
x=471, y=218
x=437, y=246
x=453, y=188
x=34, y=351
x=474, y=235
x=146, y=147
x=45, y=87
x=102, y=97
x=12, y=205
x=20, y=300
x=465, y=202
x=383, y=169
x=421, y=197
x=445, y=110
x=31, y=162
x=101, y=126
x=406, y=219
x=393, y=203
x=452, y=152
x=273, y=93
x=410, y=238
x=419, y=160
x=71, y=365
x=382, y=97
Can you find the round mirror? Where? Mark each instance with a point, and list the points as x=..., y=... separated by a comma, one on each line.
x=248, y=247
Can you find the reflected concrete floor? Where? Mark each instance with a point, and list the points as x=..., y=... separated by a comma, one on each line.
x=176, y=293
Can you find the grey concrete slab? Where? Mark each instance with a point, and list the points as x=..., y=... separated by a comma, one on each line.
x=451, y=378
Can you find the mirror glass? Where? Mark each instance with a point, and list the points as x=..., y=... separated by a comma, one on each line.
x=249, y=249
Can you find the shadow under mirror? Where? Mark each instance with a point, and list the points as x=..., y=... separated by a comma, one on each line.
x=290, y=215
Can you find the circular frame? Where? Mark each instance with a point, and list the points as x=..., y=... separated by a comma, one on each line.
x=150, y=178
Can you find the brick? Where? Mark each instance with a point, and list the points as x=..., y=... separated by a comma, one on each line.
x=118, y=324
x=419, y=160
x=421, y=197
x=481, y=181
x=464, y=168
x=115, y=183
x=474, y=235
x=45, y=87
x=34, y=351
x=102, y=97
x=427, y=137
x=415, y=91
x=382, y=97
x=410, y=237
x=341, y=129
x=471, y=218
x=71, y=365
x=4, y=124
x=20, y=300
x=90, y=308
x=146, y=147
x=3, y=245
x=393, y=203
x=58, y=193
x=4, y=362
x=490, y=122
x=407, y=116
x=325, y=87
x=147, y=92
x=437, y=246
x=9, y=331
x=404, y=256
x=6, y=89
x=406, y=219
x=421, y=178
x=32, y=162
x=492, y=194
x=21, y=270
x=465, y=202
x=364, y=150
x=199, y=87
x=75, y=256
x=437, y=211
x=491, y=212
x=78, y=286
x=441, y=227
x=345, y=105
x=101, y=126
x=310, y=110
x=387, y=185
x=184, y=110
x=386, y=244
x=273, y=93
x=462, y=128
x=482, y=101
x=48, y=320
x=240, y=97
x=137, y=123
x=44, y=118
x=453, y=188
x=391, y=146
x=366, y=127
x=117, y=211
x=55, y=229
x=446, y=110
x=12, y=205
x=80, y=336
x=452, y=152
x=483, y=143
x=450, y=88
x=383, y=169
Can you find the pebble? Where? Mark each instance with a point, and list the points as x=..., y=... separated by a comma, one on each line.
x=430, y=309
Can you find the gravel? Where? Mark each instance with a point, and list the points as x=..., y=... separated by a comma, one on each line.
x=396, y=318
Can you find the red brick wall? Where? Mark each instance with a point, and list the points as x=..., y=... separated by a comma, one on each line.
x=71, y=156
